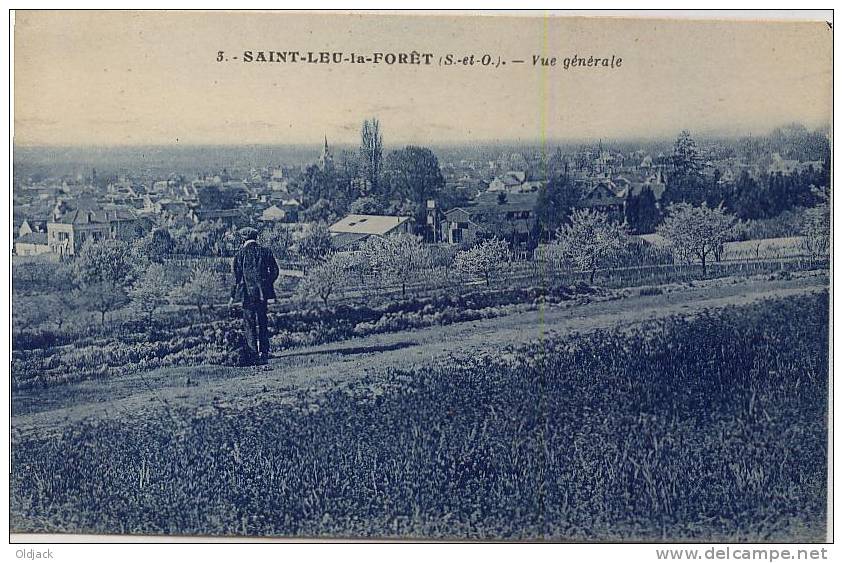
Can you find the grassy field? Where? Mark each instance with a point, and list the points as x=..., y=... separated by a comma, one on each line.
x=769, y=249
x=700, y=429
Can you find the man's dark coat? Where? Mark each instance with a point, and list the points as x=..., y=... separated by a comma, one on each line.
x=255, y=272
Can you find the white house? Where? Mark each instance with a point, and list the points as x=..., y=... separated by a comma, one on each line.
x=349, y=232
x=273, y=213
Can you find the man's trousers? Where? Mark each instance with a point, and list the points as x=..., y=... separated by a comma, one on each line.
x=254, y=325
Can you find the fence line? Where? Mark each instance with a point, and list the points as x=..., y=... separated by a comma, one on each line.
x=542, y=274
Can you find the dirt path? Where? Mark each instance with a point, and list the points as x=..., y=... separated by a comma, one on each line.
x=295, y=374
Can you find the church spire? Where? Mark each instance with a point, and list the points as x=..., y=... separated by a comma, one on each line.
x=325, y=159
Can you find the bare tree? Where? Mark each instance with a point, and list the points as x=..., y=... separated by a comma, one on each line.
x=62, y=305
x=150, y=292
x=279, y=238
x=326, y=278
x=204, y=288
x=371, y=152
x=397, y=257
x=107, y=261
x=486, y=258
x=103, y=298
x=314, y=245
x=589, y=241
x=104, y=269
x=696, y=232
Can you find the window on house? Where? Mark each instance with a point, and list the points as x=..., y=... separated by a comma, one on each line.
x=456, y=235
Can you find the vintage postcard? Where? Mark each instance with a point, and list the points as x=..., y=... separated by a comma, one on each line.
x=421, y=276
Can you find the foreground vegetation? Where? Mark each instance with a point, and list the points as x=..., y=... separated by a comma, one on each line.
x=700, y=429
x=42, y=358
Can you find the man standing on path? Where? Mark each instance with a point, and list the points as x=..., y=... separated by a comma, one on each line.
x=255, y=272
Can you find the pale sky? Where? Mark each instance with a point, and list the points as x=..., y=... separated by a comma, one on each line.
x=108, y=78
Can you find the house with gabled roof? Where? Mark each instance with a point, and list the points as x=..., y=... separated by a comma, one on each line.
x=512, y=214
x=230, y=217
x=606, y=198
x=273, y=213
x=67, y=233
x=32, y=244
x=350, y=231
x=509, y=182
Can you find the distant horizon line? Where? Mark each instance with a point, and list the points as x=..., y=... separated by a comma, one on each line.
x=479, y=142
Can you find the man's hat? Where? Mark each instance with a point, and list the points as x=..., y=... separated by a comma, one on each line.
x=248, y=233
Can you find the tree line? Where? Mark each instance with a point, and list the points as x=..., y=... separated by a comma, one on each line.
x=109, y=275
x=747, y=197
